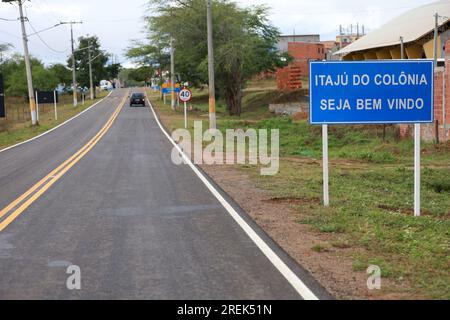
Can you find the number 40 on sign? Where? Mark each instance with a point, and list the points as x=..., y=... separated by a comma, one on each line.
x=185, y=96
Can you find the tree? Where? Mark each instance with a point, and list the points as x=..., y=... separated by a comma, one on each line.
x=244, y=42
x=113, y=70
x=99, y=70
x=61, y=72
x=15, y=76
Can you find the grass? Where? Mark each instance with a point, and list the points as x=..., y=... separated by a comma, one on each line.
x=371, y=187
x=18, y=128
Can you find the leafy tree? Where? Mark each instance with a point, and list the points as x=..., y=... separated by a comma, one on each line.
x=244, y=43
x=62, y=73
x=141, y=74
x=99, y=71
x=15, y=76
x=113, y=70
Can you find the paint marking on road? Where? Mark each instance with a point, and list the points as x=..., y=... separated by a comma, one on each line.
x=25, y=200
x=288, y=274
x=58, y=126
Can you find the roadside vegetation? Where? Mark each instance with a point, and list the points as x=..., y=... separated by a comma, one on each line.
x=371, y=187
x=17, y=127
x=244, y=44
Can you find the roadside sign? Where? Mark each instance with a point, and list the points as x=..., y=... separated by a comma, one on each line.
x=371, y=92
x=2, y=99
x=166, y=88
x=185, y=95
x=46, y=97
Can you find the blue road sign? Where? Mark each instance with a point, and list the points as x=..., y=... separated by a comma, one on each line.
x=169, y=90
x=371, y=92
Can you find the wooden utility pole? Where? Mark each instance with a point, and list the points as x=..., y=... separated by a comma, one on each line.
x=34, y=120
x=74, y=75
x=212, y=89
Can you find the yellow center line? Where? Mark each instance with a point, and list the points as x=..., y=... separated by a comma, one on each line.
x=45, y=183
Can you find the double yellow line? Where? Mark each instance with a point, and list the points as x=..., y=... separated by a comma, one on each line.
x=18, y=206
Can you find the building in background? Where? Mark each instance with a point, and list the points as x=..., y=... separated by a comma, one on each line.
x=284, y=40
x=416, y=27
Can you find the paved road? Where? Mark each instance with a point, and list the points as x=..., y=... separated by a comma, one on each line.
x=138, y=226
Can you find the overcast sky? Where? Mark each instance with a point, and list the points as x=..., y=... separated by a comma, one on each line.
x=116, y=22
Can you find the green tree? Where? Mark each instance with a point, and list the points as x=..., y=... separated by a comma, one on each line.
x=244, y=43
x=113, y=70
x=62, y=73
x=99, y=70
x=15, y=76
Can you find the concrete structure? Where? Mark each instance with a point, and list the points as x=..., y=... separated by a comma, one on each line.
x=416, y=27
x=283, y=42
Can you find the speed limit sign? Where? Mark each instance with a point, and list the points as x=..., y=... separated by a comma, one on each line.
x=185, y=95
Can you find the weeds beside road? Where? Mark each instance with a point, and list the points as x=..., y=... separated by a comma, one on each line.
x=370, y=220
x=17, y=128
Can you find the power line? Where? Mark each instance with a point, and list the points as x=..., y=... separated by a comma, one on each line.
x=42, y=40
x=4, y=19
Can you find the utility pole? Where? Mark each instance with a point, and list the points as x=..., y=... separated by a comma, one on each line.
x=32, y=101
x=212, y=89
x=31, y=97
x=172, y=74
x=74, y=75
x=402, y=49
x=436, y=34
x=91, y=82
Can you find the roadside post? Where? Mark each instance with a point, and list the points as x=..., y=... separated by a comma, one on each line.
x=185, y=96
x=47, y=97
x=37, y=106
x=326, y=179
x=55, y=102
x=166, y=89
x=372, y=92
x=2, y=99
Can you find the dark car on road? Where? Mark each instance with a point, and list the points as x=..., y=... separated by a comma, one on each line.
x=137, y=99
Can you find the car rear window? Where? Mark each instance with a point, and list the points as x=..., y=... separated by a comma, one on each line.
x=137, y=96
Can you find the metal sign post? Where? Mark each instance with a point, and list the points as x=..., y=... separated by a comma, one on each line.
x=372, y=92
x=185, y=95
x=417, y=170
x=326, y=193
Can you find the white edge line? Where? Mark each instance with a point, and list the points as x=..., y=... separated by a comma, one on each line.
x=52, y=129
x=290, y=276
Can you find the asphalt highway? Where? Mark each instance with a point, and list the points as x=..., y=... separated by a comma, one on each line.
x=101, y=193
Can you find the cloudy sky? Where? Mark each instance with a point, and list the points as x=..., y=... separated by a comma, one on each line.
x=116, y=22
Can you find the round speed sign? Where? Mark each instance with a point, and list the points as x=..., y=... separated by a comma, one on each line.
x=185, y=95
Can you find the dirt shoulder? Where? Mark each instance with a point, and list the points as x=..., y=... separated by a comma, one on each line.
x=369, y=221
x=332, y=267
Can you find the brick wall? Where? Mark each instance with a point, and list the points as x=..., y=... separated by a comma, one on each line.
x=302, y=52
x=441, y=96
x=441, y=92
x=289, y=78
